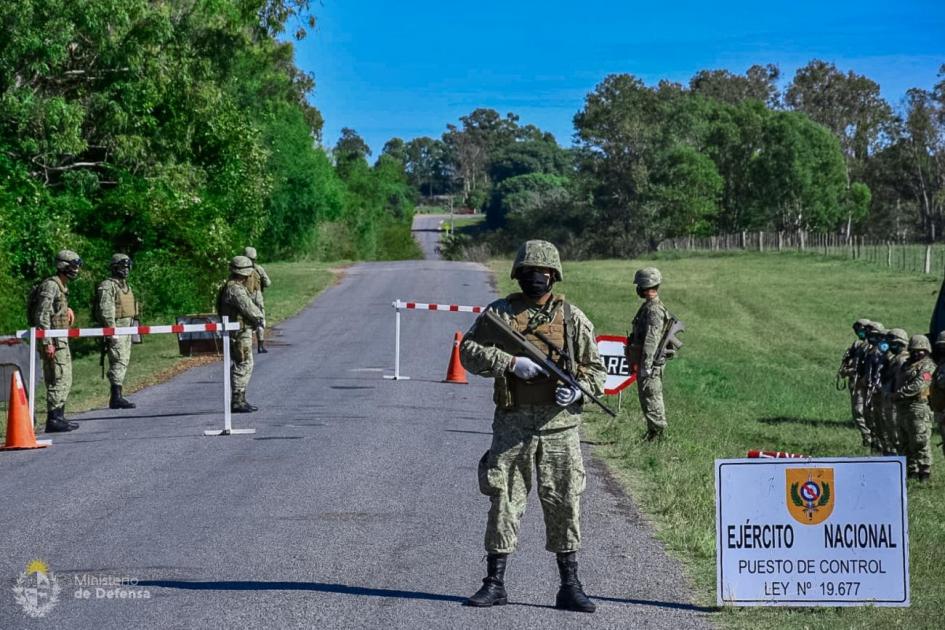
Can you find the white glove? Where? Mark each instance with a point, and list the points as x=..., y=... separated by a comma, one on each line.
x=566, y=395
x=526, y=369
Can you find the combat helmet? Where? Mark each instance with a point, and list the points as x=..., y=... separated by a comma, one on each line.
x=241, y=266
x=919, y=342
x=538, y=254
x=647, y=278
x=68, y=262
x=897, y=335
x=250, y=252
x=861, y=324
x=120, y=260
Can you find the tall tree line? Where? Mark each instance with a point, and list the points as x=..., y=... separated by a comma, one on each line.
x=177, y=131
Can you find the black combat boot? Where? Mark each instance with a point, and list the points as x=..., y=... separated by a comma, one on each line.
x=117, y=401
x=239, y=404
x=492, y=592
x=571, y=595
x=56, y=421
x=262, y=347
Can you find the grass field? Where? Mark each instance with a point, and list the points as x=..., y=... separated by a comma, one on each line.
x=764, y=337
x=293, y=286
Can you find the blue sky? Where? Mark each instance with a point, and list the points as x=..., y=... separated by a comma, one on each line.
x=408, y=68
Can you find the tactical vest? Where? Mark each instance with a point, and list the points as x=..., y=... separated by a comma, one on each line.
x=539, y=391
x=60, y=305
x=253, y=283
x=125, y=304
x=224, y=308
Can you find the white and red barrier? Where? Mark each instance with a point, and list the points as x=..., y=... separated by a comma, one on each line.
x=224, y=328
x=759, y=454
x=400, y=305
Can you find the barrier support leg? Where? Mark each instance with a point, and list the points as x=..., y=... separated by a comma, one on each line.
x=227, y=393
x=397, y=376
x=32, y=374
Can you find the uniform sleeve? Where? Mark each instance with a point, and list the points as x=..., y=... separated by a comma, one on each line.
x=481, y=359
x=916, y=383
x=654, y=332
x=264, y=280
x=106, y=302
x=44, y=306
x=247, y=308
x=591, y=372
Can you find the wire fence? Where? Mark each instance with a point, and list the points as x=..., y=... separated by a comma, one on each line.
x=894, y=254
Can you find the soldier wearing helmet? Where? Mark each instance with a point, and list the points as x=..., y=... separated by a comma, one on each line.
x=49, y=309
x=851, y=369
x=235, y=302
x=258, y=282
x=937, y=391
x=896, y=358
x=875, y=368
x=644, y=337
x=535, y=426
x=912, y=405
x=116, y=306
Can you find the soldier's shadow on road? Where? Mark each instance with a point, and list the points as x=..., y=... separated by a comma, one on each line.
x=809, y=422
x=364, y=591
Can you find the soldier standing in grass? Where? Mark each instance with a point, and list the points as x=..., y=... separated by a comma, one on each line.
x=234, y=302
x=258, y=282
x=850, y=369
x=937, y=391
x=896, y=358
x=912, y=405
x=49, y=309
x=115, y=306
x=645, y=335
x=875, y=364
x=535, y=430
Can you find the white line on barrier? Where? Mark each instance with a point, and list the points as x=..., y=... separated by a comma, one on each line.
x=420, y=306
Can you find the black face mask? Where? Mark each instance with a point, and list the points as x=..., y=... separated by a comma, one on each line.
x=534, y=284
x=121, y=271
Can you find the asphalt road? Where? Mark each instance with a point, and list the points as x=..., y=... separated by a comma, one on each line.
x=355, y=505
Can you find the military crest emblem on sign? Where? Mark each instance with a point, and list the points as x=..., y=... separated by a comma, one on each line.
x=810, y=494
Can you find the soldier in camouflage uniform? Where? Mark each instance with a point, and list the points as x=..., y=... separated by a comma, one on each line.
x=645, y=335
x=937, y=391
x=50, y=310
x=115, y=306
x=235, y=302
x=896, y=358
x=535, y=426
x=850, y=369
x=256, y=285
x=875, y=365
x=912, y=405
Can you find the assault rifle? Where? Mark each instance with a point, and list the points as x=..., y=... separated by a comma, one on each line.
x=670, y=343
x=849, y=368
x=517, y=343
x=874, y=378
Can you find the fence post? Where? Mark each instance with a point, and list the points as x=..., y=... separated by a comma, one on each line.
x=761, y=241
x=928, y=258
x=800, y=235
x=888, y=254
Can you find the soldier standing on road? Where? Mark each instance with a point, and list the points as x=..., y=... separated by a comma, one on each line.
x=851, y=369
x=875, y=366
x=937, y=392
x=234, y=301
x=645, y=335
x=258, y=282
x=536, y=421
x=896, y=358
x=912, y=402
x=49, y=309
x=115, y=306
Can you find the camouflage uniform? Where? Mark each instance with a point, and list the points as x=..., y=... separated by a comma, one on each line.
x=234, y=301
x=912, y=405
x=850, y=369
x=257, y=284
x=937, y=391
x=889, y=422
x=117, y=307
x=875, y=366
x=645, y=335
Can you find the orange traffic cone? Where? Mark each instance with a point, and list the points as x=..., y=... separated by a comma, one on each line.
x=456, y=373
x=19, y=424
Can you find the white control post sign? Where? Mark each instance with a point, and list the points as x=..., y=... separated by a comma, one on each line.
x=813, y=532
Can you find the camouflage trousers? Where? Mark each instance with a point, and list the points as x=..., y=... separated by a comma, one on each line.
x=241, y=355
x=916, y=422
x=650, y=393
x=57, y=372
x=873, y=415
x=518, y=453
x=119, y=354
x=858, y=406
x=889, y=423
